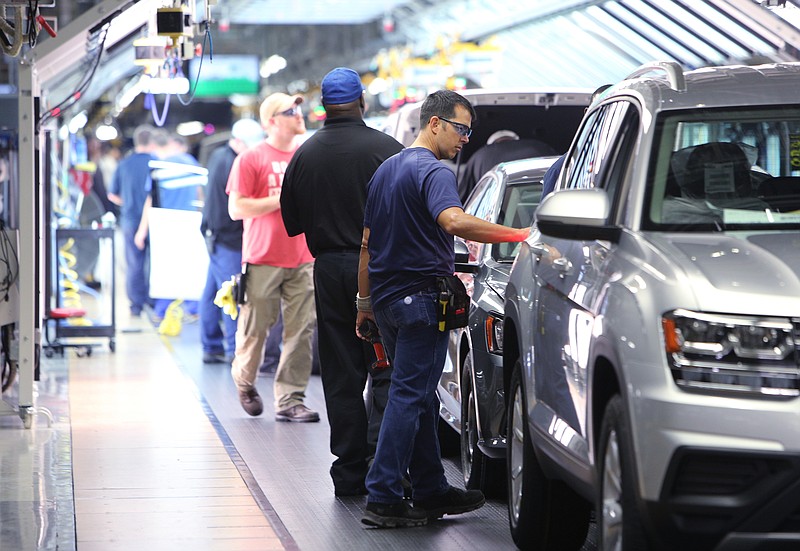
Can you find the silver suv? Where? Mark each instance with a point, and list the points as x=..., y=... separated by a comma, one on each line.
x=652, y=330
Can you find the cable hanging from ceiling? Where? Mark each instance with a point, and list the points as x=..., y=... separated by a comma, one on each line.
x=95, y=46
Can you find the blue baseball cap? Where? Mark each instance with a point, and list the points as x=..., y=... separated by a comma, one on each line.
x=341, y=85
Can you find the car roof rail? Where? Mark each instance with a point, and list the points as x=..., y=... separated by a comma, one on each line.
x=672, y=69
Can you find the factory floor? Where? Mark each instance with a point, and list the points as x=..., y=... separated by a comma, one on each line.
x=147, y=448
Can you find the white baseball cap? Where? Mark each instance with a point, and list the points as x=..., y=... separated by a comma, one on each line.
x=248, y=130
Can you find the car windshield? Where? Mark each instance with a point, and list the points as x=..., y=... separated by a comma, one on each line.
x=726, y=170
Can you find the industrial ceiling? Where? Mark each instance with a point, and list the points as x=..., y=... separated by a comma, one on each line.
x=319, y=12
x=540, y=42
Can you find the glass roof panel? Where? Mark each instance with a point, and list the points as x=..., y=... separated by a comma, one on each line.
x=732, y=28
x=645, y=48
x=529, y=58
x=653, y=34
x=678, y=32
x=307, y=12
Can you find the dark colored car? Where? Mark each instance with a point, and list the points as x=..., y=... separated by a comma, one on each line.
x=471, y=387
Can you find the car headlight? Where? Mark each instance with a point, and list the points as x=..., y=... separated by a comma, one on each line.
x=494, y=334
x=732, y=353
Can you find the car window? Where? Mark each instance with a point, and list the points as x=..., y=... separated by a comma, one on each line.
x=606, y=137
x=726, y=169
x=621, y=153
x=482, y=204
x=517, y=210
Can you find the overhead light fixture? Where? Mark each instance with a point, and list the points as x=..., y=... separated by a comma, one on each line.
x=241, y=100
x=190, y=128
x=126, y=96
x=106, y=132
x=77, y=122
x=272, y=65
x=159, y=85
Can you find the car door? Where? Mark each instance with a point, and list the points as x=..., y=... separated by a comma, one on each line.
x=570, y=277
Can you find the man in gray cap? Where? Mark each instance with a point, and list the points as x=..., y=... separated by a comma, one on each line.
x=323, y=196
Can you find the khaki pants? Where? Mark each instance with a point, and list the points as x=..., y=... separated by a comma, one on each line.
x=270, y=289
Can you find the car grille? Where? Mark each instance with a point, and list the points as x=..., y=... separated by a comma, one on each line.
x=722, y=475
x=709, y=492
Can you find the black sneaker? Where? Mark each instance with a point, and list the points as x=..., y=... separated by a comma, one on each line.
x=350, y=491
x=453, y=502
x=215, y=358
x=393, y=515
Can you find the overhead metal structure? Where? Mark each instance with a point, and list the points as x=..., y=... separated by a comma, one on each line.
x=325, y=12
x=572, y=42
x=589, y=42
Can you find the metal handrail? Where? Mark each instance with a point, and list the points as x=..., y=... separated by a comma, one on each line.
x=672, y=69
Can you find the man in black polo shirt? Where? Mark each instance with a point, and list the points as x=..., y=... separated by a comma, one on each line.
x=324, y=192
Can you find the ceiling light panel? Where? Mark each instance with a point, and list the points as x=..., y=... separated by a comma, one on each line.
x=304, y=12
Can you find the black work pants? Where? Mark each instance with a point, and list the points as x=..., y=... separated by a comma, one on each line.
x=345, y=367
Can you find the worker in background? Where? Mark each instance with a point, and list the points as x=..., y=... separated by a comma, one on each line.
x=129, y=190
x=223, y=237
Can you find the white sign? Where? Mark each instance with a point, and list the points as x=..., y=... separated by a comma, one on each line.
x=178, y=254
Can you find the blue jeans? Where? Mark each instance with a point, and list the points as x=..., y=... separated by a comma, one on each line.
x=408, y=441
x=217, y=329
x=137, y=282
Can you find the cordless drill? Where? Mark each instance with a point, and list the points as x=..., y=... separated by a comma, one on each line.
x=369, y=329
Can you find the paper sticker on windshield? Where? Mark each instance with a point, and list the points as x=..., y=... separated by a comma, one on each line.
x=742, y=216
x=718, y=178
x=794, y=150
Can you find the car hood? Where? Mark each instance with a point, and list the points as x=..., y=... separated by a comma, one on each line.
x=763, y=266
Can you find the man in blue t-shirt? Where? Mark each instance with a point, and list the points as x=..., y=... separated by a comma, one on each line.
x=550, y=177
x=412, y=213
x=130, y=189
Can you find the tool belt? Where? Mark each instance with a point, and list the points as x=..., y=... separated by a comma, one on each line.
x=452, y=308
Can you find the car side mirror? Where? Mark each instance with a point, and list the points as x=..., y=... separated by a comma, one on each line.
x=577, y=214
x=462, y=258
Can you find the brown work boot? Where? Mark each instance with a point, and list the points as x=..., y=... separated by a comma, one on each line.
x=251, y=402
x=297, y=414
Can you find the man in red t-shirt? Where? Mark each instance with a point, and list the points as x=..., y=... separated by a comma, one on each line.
x=279, y=268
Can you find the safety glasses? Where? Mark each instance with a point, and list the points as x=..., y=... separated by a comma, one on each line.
x=291, y=112
x=463, y=130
